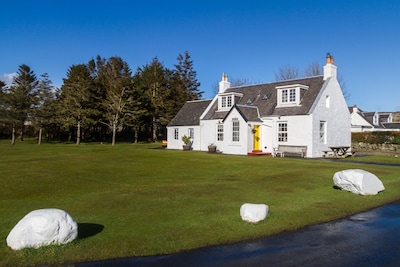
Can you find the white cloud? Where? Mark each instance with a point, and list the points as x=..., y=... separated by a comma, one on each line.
x=8, y=78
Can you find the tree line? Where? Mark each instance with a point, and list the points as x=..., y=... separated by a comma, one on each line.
x=97, y=101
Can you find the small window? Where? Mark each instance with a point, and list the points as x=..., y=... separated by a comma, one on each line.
x=220, y=132
x=284, y=96
x=266, y=96
x=390, y=118
x=191, y=133
x=322, y=132
x=292, y=95
x=249, y=101
x=176, y=133
x=289, y=95
x=327, y=101
x=235, y=130
x=282, y=132
x=226, y=101
x=376, y=119
x=223, y=101
x=229, y=101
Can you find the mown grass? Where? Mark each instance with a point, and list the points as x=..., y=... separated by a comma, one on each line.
x=135, y=200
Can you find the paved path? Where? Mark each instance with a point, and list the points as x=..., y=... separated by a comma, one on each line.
x=370, y=238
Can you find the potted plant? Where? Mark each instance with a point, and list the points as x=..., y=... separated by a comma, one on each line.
x=212, y=148
x=187, y=144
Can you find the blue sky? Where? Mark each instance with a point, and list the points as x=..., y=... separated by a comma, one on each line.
x=247, y=40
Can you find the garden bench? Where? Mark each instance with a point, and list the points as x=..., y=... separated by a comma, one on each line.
x=286, y=149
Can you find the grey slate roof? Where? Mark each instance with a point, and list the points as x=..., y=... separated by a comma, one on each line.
x=249, y=113
x=253, y=95
x=190, y=113
x=391, y=125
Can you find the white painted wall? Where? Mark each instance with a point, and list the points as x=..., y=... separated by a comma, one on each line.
x=267, y=135
x=209, y=134
x=236, y=148
x=336, y=115
x=183, y=130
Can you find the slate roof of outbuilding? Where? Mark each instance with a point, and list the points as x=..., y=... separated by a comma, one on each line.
x=190, y=113
x=391, y=125
x=254, y=95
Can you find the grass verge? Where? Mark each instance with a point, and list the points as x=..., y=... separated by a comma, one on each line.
x=134, y=200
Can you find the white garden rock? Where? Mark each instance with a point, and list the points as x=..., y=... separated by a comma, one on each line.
x=253, y=212
x=43, y=227
x=358, y=182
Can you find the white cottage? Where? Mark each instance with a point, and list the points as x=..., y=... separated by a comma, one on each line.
x=310, y=114
x=362, y=121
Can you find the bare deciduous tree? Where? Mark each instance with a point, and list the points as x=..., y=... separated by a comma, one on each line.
x=287, y=72
x=314, y=69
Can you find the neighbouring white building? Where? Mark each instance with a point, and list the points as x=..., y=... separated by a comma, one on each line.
x=309, y=112
x=362, y=121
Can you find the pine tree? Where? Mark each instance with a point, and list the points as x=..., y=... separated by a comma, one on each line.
x=187, y=77
x=21, y=98
x=45, y=111
x=77, y=100
x=152, y=81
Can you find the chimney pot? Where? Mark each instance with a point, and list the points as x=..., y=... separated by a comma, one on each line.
x=329, y=59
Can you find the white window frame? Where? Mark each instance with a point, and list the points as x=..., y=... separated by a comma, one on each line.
x=376, y=119
x=191, y=133
x=328, y=101
x=227, y=100
x=322, y=132
x=223, y=101
x=293, y=95
x=220, y=132
x=176, y=133
x=235, y=130
x=282, y=131
x=390, y=118
x=289, y=95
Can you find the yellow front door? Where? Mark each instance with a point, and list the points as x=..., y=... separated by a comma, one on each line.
x=256, y=142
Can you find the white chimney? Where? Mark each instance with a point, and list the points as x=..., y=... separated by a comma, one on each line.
x=224, y=84
x=330, y=70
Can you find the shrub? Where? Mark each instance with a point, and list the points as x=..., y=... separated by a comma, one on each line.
x=186, y=139
x=377, y=137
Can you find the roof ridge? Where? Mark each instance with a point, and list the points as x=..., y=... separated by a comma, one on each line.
x=283, y=81
x=199, y=100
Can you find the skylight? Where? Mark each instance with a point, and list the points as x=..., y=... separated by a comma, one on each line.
x=266, y=96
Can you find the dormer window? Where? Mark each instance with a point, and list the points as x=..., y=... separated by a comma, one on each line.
x=226, y=101
x=376, y=119
x=289, y=95
x=390, y=118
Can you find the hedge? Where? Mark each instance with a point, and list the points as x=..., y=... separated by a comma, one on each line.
x=377, y=137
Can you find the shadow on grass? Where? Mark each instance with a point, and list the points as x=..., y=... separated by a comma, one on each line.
x=86, y=230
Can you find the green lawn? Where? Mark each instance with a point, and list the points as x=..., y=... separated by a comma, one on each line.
x=135, y=199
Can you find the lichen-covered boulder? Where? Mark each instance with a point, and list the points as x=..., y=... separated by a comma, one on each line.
x=253, y=212
x=43, y=227
x=358, y=182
